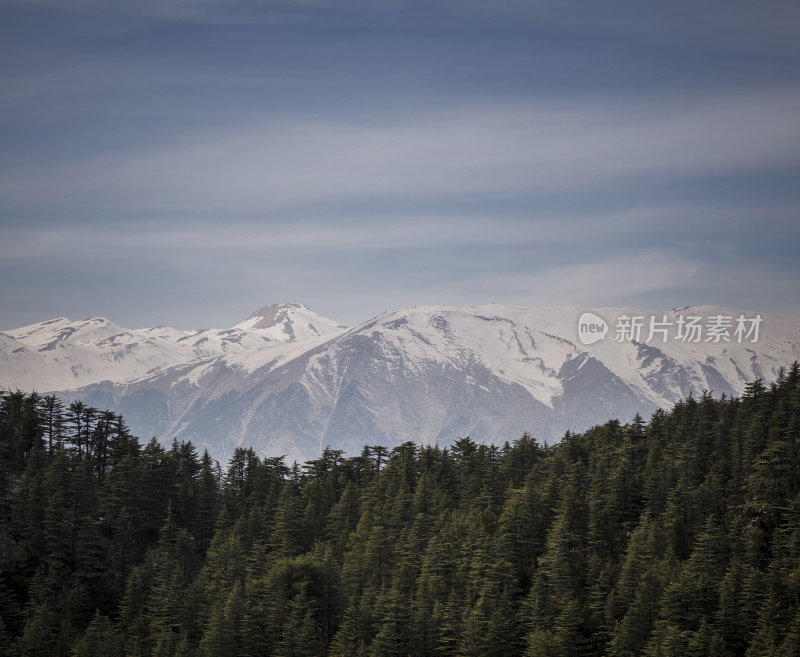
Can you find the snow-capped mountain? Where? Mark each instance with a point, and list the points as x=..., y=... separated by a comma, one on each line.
x=290, y=322
x=288, y=381
x=60, y=354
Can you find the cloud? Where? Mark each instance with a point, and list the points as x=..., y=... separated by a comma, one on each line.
x=651, y=277
x=311, y=163
x=771, y=26
x=768, y=25
x=217, y=12
x=513, y=151
x=607, y=281
x=167, y=239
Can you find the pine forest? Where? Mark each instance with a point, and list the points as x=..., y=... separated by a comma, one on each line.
x=675, y=536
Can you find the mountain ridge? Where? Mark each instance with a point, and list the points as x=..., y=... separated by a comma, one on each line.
x=429, y=374
x=74, y=354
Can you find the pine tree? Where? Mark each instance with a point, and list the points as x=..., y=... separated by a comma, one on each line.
x=99, y=640
x=223, y=635
x=299, y=636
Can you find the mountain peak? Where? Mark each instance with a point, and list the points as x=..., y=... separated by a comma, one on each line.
x=290, y=322
x=271, y=315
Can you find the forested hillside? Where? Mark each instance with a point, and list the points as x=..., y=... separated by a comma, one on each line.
x=679, y=536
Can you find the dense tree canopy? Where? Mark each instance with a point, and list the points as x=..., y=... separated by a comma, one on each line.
x=677, y=536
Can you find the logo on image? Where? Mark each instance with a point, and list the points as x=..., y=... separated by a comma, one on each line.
x=640, y=329
x=591, y=328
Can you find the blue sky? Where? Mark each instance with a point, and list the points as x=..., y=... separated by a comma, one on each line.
x=185, y=162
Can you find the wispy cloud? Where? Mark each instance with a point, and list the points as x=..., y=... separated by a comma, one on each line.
x=217, y=12
x=610, y=281
x=367, y=154
x=732, y=24
x=274, y=167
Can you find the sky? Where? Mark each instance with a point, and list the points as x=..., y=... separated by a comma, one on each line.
x=185, y=162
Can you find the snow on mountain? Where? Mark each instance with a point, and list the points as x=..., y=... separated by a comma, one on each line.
x=289, y=382
x=60, y=354
x=21, y=365
x=290, y=322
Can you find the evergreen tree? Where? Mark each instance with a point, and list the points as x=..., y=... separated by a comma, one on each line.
x=99, y=640
x=676, y=537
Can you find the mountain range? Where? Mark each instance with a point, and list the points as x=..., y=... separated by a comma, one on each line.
x=289, y=381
